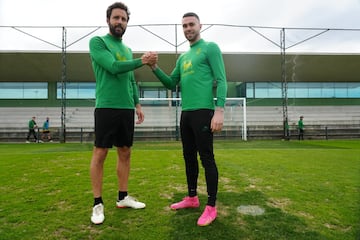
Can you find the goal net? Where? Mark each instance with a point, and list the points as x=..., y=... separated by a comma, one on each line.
x=162, y=118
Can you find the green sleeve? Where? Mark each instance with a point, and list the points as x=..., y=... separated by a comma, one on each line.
x=217, y=65
x=102, y=56
x=171, y=81
x=135, y=89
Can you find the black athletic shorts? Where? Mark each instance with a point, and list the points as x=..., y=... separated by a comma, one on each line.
x=114, y=127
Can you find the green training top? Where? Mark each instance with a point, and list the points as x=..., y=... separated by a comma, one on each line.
x=32, y=124
x=196, y=70
x=114, y=66
x=301, y=124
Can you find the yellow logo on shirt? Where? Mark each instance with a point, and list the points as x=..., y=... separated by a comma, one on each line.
x=120, y=57
x=187, y=65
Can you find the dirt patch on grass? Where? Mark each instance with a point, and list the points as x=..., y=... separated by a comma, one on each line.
x=306, y=215
x=337, y=227
x=227, y=185
x=281, y=203
x=253, y=210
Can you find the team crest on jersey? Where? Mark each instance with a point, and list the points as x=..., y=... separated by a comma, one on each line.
x=120, y=57
x=187, y=65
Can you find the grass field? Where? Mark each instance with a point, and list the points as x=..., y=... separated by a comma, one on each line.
x=307, y=189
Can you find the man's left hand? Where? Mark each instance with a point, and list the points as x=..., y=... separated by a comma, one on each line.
x=217, y=121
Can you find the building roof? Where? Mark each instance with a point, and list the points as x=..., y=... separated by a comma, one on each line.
x=240, y=67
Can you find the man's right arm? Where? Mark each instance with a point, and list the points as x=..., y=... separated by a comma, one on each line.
x=102, y=56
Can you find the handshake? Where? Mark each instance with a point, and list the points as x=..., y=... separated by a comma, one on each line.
x=150, y=59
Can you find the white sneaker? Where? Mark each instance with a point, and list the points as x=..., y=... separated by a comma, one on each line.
x=27, y=141
x=131, y=202
x=98, y=216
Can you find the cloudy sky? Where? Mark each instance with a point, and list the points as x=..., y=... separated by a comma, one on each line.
x=232, y=19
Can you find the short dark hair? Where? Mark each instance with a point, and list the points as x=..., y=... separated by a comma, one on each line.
x=117, y=5
x=191, y=14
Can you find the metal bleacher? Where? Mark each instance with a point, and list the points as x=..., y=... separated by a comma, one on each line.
x=161, y=121
x=313, y=115
x=320, y=121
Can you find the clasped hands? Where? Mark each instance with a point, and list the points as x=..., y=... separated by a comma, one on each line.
x=150, y=59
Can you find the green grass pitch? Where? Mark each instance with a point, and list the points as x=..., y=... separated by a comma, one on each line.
x=307, y=190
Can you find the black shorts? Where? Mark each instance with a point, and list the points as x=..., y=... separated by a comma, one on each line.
x=114, y=127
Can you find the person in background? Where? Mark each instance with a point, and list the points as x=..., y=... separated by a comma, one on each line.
x=46, y=130
x=117, y=101
x=32, y=126
x=198, y=72
x=301, y=128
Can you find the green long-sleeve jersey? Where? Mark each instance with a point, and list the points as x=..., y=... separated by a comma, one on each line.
x=196, y=71
x=32, y=124
x=114, y=66
x=300, y=124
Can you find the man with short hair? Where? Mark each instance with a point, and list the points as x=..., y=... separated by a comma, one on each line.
x=196, y=71
x=32, y=126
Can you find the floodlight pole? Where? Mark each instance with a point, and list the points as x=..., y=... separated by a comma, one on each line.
x=63, y=88
x=284, y=85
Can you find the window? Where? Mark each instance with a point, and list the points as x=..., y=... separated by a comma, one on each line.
x=291, y=90
x=304, y=90
x=315, y=90
x=261, y=90
x=275, y=90
x=328, y=90
x=353, y=90
x=153, y=92
x=301, y=90
x=341, y=90
x=77, y=90
x=250, y=90
x=23, y=90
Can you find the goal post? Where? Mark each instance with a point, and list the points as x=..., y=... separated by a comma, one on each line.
x=163, y=114
x=235, y=115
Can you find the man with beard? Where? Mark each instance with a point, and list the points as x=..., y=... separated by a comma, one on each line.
x=196, y=71
x=117, y=101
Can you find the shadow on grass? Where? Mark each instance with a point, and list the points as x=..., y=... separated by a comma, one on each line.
x=230, y=224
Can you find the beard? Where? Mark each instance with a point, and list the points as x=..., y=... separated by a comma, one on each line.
x=192, y=36
x=117, y=30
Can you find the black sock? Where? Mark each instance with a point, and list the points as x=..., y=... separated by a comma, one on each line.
x=122, y=195
x=98, y=200
x=192, y=192
x=211, y=200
